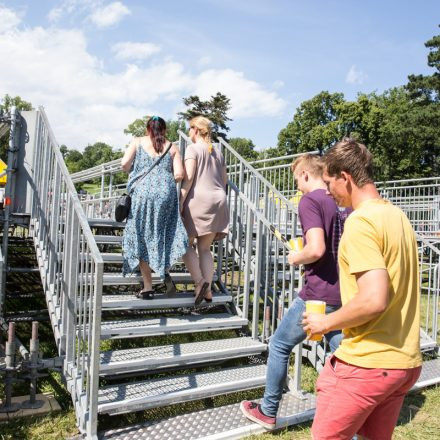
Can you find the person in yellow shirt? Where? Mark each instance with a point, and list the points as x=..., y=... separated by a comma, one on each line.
x=362, y=386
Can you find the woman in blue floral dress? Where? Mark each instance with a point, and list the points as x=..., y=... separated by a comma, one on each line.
x=154, y=236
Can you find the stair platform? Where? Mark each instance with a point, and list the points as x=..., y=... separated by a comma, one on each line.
x=222, y=423
x=160, y=301
x=430, y=374
x=426, y=342
x=132, y=328
x=153, y=393
x=178, y=355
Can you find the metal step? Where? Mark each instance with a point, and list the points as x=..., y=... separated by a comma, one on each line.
x=222, y=423
x=149, y=358
x=108, y=239
x=132, y=328
x=116, y=279
x=184, y=299
x=426, y=342
x=105, y=223
x=117, y=258
x=430, y=374
x=136, y=396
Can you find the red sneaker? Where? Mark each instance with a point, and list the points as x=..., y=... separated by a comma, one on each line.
x=252, y=411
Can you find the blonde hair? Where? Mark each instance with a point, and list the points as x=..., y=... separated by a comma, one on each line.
x=202, y=124
x=309, y=162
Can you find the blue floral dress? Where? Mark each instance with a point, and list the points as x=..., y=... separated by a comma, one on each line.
x=154, y=231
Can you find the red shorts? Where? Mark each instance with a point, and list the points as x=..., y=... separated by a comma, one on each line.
x=354, y=400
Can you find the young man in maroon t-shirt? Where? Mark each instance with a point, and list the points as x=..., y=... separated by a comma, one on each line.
x=322, y=224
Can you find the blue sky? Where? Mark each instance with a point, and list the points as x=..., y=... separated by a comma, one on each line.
x=96, y=65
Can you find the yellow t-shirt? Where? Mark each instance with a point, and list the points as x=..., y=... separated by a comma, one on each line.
x=378, y=235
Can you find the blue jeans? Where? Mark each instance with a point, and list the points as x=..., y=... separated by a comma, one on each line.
x=289, y=333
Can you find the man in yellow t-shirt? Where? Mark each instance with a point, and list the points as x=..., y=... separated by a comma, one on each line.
x=362, y=386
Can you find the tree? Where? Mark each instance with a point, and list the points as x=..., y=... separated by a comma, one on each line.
x=421, y=124
x=17, y=101
x=314, y=125
x=172, y=129
x=97, y=154
x=244, y=147
x=63, y=150
x=5, y=106
x=138, y=128
x=73, y=160
x=425, y=89
x=215, y=110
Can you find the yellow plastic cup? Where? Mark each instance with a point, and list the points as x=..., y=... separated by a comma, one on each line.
x=314, y=306
x=296, y=244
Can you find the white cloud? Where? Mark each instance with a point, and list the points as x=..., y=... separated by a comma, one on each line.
x=355, y=76
x=8, y=20
x=278, y=84
x=86, y=103
x=204, y=61
x=134, y=51
x=248, y=98
x=69, y=7
x=109, y=15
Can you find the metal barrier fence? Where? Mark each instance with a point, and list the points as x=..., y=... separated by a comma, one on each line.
x=429, y=269
x=419, y=199
x=277, y=171
x=71, y=269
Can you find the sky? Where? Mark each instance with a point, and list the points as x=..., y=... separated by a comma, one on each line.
x=97, y=65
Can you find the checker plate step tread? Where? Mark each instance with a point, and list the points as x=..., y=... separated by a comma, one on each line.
x=430, y=374
x=148, y=358
x=169, y=325
x=135, y=396
x=222, y=423
x=181, y=299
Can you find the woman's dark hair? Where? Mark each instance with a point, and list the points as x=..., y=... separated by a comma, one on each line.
x=156, y=128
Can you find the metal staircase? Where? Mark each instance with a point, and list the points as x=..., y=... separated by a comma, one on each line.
x=123, y=354
x=93, y=309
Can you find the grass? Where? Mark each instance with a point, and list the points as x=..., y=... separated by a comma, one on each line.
x=418, y=420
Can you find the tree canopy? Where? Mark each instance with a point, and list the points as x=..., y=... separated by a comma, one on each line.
x=215, y=110
x=5, y=106
x=244, y=147
x=138, y=126
x=400, y=126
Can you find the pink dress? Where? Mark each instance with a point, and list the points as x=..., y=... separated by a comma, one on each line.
x=205, y=209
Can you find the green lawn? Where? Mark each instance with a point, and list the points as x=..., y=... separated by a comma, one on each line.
x=418, y=420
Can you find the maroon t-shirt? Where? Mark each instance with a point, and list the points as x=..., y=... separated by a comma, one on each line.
x=318, y=210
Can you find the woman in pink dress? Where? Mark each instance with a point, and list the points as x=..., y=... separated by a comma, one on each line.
x=203, y=204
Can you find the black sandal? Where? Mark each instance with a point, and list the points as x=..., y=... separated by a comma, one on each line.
x=145, y=294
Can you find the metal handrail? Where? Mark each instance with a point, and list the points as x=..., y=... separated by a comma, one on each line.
x=71, y=267
x=280, y=158
x=113, y=166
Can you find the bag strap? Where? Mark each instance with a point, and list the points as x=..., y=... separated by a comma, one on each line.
x=139, y=178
